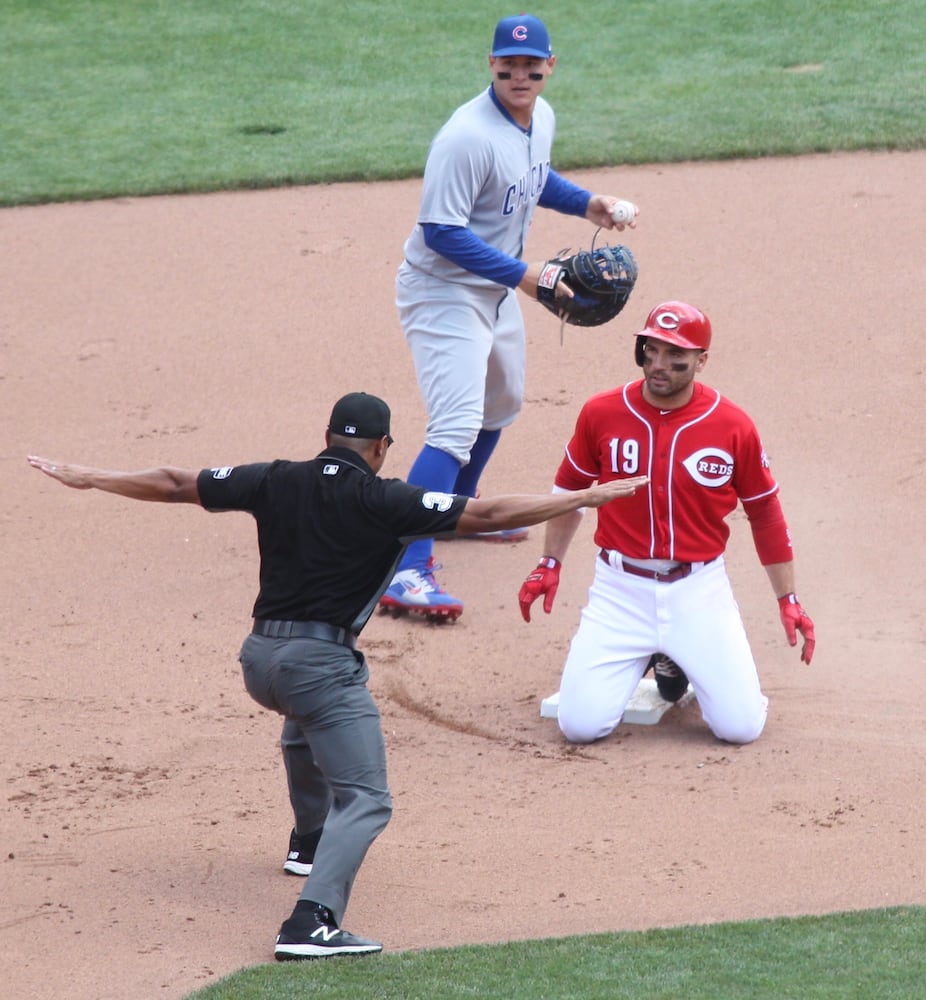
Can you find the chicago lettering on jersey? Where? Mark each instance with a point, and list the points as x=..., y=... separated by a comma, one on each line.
x=526, y=188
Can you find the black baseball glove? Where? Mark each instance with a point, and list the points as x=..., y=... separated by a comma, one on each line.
x=601, y=281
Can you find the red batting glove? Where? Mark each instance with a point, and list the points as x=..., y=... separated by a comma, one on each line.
x=795, y=619
x=544, y=580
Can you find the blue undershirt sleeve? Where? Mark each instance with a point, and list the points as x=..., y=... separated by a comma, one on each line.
x=462, y=246
x=564, y=196
x=466, y=250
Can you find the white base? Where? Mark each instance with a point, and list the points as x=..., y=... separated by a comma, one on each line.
x=645, y=707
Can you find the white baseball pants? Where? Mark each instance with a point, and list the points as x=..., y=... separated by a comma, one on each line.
x=695, y=621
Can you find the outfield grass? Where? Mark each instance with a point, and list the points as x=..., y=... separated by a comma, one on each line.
x=104, y=98
x=869, y=955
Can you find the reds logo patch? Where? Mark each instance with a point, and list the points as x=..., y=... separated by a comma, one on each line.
x=711, y=467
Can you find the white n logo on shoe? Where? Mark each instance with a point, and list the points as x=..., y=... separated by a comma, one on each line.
x=326, y=932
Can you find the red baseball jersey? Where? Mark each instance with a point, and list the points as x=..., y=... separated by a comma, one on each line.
x=701, y=460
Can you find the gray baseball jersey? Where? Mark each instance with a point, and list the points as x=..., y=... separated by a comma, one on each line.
x=484, y=173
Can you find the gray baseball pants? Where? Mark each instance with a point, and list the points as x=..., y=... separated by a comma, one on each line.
x=333, y=749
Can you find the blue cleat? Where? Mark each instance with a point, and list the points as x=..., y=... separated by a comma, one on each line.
x=415, y=591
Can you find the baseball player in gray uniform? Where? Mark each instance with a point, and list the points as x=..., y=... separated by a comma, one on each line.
x=487, y=170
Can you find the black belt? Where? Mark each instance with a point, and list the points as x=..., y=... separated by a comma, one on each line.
x=676, y=573
x=276, y=629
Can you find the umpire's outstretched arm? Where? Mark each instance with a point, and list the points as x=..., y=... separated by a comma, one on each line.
x=165, y=485
x=172, y=485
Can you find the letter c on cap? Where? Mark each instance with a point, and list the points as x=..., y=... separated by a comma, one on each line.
x=668, y=320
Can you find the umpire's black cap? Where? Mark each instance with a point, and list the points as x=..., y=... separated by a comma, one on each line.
x=360, y=415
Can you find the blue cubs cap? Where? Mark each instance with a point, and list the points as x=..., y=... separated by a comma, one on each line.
x=522, y=35
x=360, y=415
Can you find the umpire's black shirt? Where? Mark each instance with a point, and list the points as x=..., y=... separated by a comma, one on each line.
x=330, y=532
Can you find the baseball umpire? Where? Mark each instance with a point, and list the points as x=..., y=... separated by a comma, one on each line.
x=660, y=584
x=330, y=532
x=487, y=170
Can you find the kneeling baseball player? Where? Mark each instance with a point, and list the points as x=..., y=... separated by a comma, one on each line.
x=660, y=596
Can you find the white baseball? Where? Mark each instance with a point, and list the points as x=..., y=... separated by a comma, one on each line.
x=624, y=212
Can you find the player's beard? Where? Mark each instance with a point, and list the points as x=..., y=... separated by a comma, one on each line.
x=668, y=388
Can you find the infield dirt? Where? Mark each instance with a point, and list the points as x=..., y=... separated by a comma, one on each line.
x=144, y=815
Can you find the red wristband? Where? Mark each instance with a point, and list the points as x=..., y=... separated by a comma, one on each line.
x=548, y=562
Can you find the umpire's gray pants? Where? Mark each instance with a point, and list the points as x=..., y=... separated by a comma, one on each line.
x=333, y=749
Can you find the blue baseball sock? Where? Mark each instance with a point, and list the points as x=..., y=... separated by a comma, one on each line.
x=435, y=470
x=467, y=482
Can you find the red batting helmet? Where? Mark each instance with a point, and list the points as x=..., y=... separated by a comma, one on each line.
x=676, y=323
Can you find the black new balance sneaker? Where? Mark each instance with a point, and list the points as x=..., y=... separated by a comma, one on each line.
x=312, y=932
x=671, y=680
x=301, y=853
